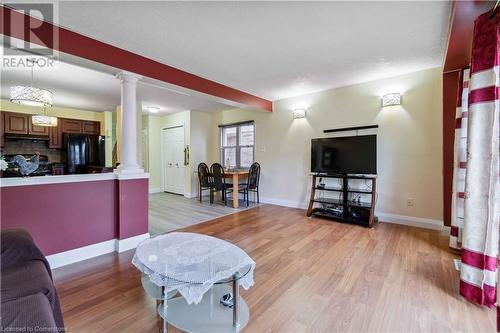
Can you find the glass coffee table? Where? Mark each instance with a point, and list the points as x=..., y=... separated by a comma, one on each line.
x=196, y=280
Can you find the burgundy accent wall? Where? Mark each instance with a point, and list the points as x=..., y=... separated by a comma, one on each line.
x=62, y=217
x=66, y=216
x=133, y=209
x=451, y=82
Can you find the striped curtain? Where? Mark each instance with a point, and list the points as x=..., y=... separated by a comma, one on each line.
x=460, y=162
x=478, y=273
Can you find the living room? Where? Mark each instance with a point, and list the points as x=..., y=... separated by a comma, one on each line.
x=138, y=245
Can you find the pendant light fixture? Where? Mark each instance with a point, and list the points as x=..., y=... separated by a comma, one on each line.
x=44, y=120
x=30, y=95
x=33, y=96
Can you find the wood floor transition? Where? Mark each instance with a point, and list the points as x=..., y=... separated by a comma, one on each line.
x=169, y=211
x=312, y=275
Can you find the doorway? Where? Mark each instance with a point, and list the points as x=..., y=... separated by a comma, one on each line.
x=173, y=159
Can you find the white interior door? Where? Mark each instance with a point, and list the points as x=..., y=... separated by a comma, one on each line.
x=173, y=159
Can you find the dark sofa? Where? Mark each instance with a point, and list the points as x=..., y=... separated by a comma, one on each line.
x=29, y=301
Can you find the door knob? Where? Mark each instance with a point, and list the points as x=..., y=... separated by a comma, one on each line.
x=170, y=164
x=177, y=164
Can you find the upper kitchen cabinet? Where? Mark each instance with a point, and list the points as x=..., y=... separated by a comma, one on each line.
x=16, y=123
x=37, y=130
x=80, y=126
x=91, y=127
x=71, y=126
x=19, y=123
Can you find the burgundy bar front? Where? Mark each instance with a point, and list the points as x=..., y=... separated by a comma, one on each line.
x=66, y=216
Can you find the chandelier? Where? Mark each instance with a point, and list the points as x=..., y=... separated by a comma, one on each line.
x=44, y=120
x=30, y=96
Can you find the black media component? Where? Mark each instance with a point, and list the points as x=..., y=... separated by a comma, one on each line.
x=344, y=155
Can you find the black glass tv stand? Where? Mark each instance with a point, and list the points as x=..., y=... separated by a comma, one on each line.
x=344, y=203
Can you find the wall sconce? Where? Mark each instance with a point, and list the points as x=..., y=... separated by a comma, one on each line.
x=299, y=113
x=391, y=99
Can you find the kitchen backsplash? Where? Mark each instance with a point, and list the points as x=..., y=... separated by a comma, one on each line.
x=17, y=146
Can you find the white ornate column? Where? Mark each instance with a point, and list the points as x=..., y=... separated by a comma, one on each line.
x=128, y=151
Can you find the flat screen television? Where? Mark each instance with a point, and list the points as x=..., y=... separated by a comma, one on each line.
x=344, y=155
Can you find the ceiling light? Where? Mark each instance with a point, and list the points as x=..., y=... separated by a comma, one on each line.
x=152, y=109
x=391, y=99
x=30, y=96
x=43, y=120
x=299, y=113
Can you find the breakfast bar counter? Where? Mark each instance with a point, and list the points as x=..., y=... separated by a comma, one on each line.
x=74, y=217
x=42, y=180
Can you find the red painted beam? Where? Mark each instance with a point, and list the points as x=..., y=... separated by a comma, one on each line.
x=88, y=48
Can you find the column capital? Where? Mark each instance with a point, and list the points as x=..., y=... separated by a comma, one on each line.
x=129, y=77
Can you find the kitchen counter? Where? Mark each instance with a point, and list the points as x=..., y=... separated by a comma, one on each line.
x=43, y=180
x=76, y=217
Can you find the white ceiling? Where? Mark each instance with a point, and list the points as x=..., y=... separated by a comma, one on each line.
x=272, y=49
x=87, y=89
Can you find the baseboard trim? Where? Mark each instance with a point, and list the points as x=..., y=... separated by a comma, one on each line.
x=154, y=190
x=412, y=221
x=285, y=203
x=94, y=250
x=383, y=217
x=130, y=243
x=81, y=253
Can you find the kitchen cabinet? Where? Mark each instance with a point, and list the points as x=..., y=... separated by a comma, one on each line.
x=55, y=136
x=37, y=130
x=19, y=125
x=71, y=126
x=16, y=123
x=80, y=126
x=91, y=127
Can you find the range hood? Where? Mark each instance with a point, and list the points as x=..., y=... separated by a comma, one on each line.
x=27, y=137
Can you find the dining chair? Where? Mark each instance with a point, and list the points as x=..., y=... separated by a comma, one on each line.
x=218, y=183
x=203, y=178
x=252, y=184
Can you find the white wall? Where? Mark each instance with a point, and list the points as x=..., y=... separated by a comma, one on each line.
x=202, y=141
x=409, y=143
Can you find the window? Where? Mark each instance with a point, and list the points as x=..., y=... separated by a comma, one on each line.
x=238, y=144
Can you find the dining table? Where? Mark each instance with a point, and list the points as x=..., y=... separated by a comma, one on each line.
x=236, y=175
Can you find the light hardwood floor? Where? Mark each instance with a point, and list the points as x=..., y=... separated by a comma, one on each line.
x=312, y=275
x=169, y=211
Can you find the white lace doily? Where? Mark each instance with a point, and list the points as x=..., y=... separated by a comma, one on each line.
x=191, y=263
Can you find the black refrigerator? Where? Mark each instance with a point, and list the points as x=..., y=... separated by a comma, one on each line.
x=84, y=151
